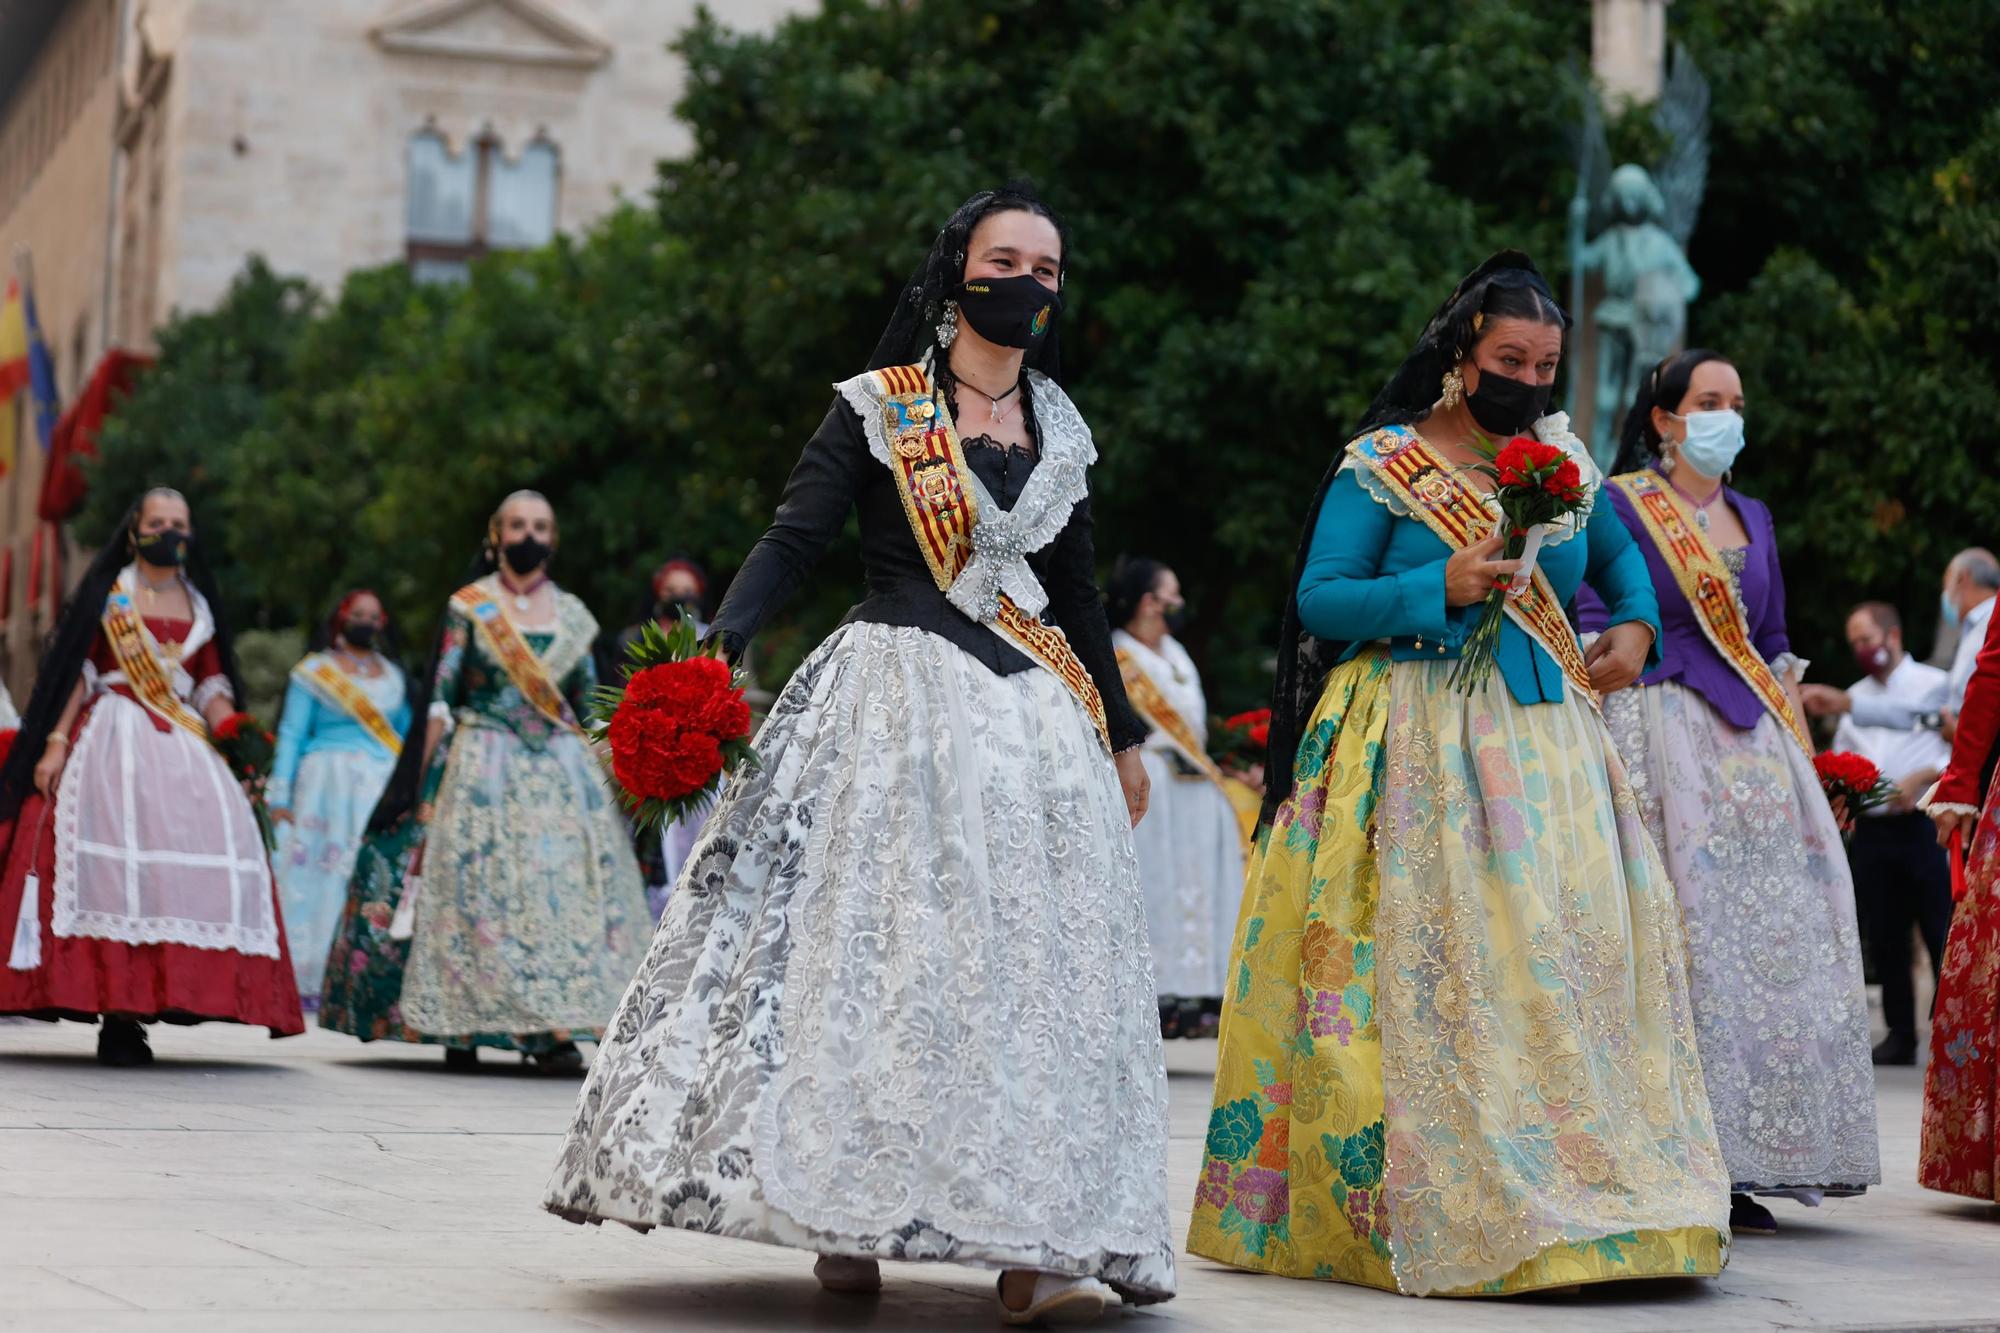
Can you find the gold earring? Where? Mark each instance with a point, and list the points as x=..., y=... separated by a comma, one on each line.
x=1454, y=389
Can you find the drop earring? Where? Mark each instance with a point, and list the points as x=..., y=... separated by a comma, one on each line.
x=947, y=329
x=1453, y=392
x=1667, y=460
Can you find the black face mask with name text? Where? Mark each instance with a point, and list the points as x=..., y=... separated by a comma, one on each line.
x=165, y=550
x=1507, y=407
x=1011, y=312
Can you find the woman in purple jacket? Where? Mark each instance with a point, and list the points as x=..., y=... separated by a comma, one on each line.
x=1721, y=763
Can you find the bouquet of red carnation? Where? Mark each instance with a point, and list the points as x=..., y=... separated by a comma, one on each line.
x=1241, y=739
x=1535, y=484
x=679, y=723
x=248, y=749
x=1852, y=784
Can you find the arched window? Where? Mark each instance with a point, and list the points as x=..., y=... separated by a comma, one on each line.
x=521, y=201
x=463, y=204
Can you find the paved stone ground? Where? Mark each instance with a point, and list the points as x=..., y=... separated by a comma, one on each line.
x=318, y=1186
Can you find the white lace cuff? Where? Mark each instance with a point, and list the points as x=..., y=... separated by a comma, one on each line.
x=206, y=693
x=1931, y=806
x=1789, y=664
x=440, y=711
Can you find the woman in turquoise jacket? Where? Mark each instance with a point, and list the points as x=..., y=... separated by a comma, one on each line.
x=345, y=712
x=1456, y=1053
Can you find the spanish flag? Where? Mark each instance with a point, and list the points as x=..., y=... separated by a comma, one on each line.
x=27, y=374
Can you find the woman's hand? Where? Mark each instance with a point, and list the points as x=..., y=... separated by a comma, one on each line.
x=1472, y=571
x=1951, y=823
x=49, y=768
x=1619, y=656
x=279, y=814
x=1138, y=787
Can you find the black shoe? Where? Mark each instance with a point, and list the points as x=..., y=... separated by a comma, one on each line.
x=461, y=1058
x=563, y=1059
x=1896, y=1050
x=1747, y=1217
x=121, y=1043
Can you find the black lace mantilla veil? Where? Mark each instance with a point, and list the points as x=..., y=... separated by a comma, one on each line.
x=1303, y=660
x=76, y=631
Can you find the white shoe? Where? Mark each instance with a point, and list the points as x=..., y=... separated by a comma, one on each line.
x=854, y=1277
x=1060, y=1300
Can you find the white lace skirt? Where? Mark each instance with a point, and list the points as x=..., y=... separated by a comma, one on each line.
x=900, y=1004
x=1190, y=849
x=1774, y=959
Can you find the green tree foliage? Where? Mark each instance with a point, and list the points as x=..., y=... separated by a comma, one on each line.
x=1851, y=247
x=214, y=381
x=1267, y=199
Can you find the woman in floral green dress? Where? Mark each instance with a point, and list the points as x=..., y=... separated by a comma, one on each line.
x=527, y=915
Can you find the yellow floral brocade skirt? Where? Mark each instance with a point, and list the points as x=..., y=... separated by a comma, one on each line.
x=1456, y=1053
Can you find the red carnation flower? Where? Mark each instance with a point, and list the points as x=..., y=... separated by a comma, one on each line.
x=667, y=733
x=1565, y=480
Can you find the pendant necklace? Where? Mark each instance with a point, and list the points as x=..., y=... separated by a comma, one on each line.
x=522, y=595
x=1701, y=507
x=993, y=412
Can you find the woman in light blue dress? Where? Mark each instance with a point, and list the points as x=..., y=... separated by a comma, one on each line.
x=345, y=712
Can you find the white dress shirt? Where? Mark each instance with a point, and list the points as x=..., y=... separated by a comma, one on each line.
x=1897, y=751
x=1971, y=638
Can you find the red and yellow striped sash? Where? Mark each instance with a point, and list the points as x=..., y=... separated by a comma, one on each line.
x=516, y=658
x=139, y=659
x=1704, y=581
x=339, y=690
x=932, y=479
x=1439, y=498
x=1152, y=704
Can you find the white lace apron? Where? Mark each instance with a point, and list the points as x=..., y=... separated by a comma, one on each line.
x=155, y=841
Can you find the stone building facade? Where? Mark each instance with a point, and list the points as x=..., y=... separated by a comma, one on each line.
x=148, y=147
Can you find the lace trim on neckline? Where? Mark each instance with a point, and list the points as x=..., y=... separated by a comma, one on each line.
x=1551, y=429
x=1002, y=539
x=573, y=633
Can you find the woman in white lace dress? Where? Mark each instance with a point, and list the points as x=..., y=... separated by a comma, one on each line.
x=1191, y=847
x=901, y=1005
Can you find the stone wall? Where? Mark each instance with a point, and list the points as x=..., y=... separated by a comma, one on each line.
x=296, y=118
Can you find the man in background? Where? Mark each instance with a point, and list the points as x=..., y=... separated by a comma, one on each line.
x=1966, y=605
x=1901, y=875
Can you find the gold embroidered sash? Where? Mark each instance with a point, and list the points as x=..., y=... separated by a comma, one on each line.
x=1152, y=704
x=516, y=658
x=338, y=690
x=1439, y=498
x=931, y=477
x=139, y=659
x=1703, y=580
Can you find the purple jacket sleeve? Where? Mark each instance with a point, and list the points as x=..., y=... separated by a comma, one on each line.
x=1769, y=636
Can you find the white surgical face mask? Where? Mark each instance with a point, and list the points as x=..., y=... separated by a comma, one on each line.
x=1714, y=439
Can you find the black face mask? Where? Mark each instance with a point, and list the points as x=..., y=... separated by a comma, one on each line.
x=1176, y=620
x=1507, y=407
x=1011, y=312
x=165, y=550
x=526, y=555
x=361, y=634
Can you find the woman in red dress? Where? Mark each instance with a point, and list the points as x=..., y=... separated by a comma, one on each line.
x=1960, y=1148
x=135, y=885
